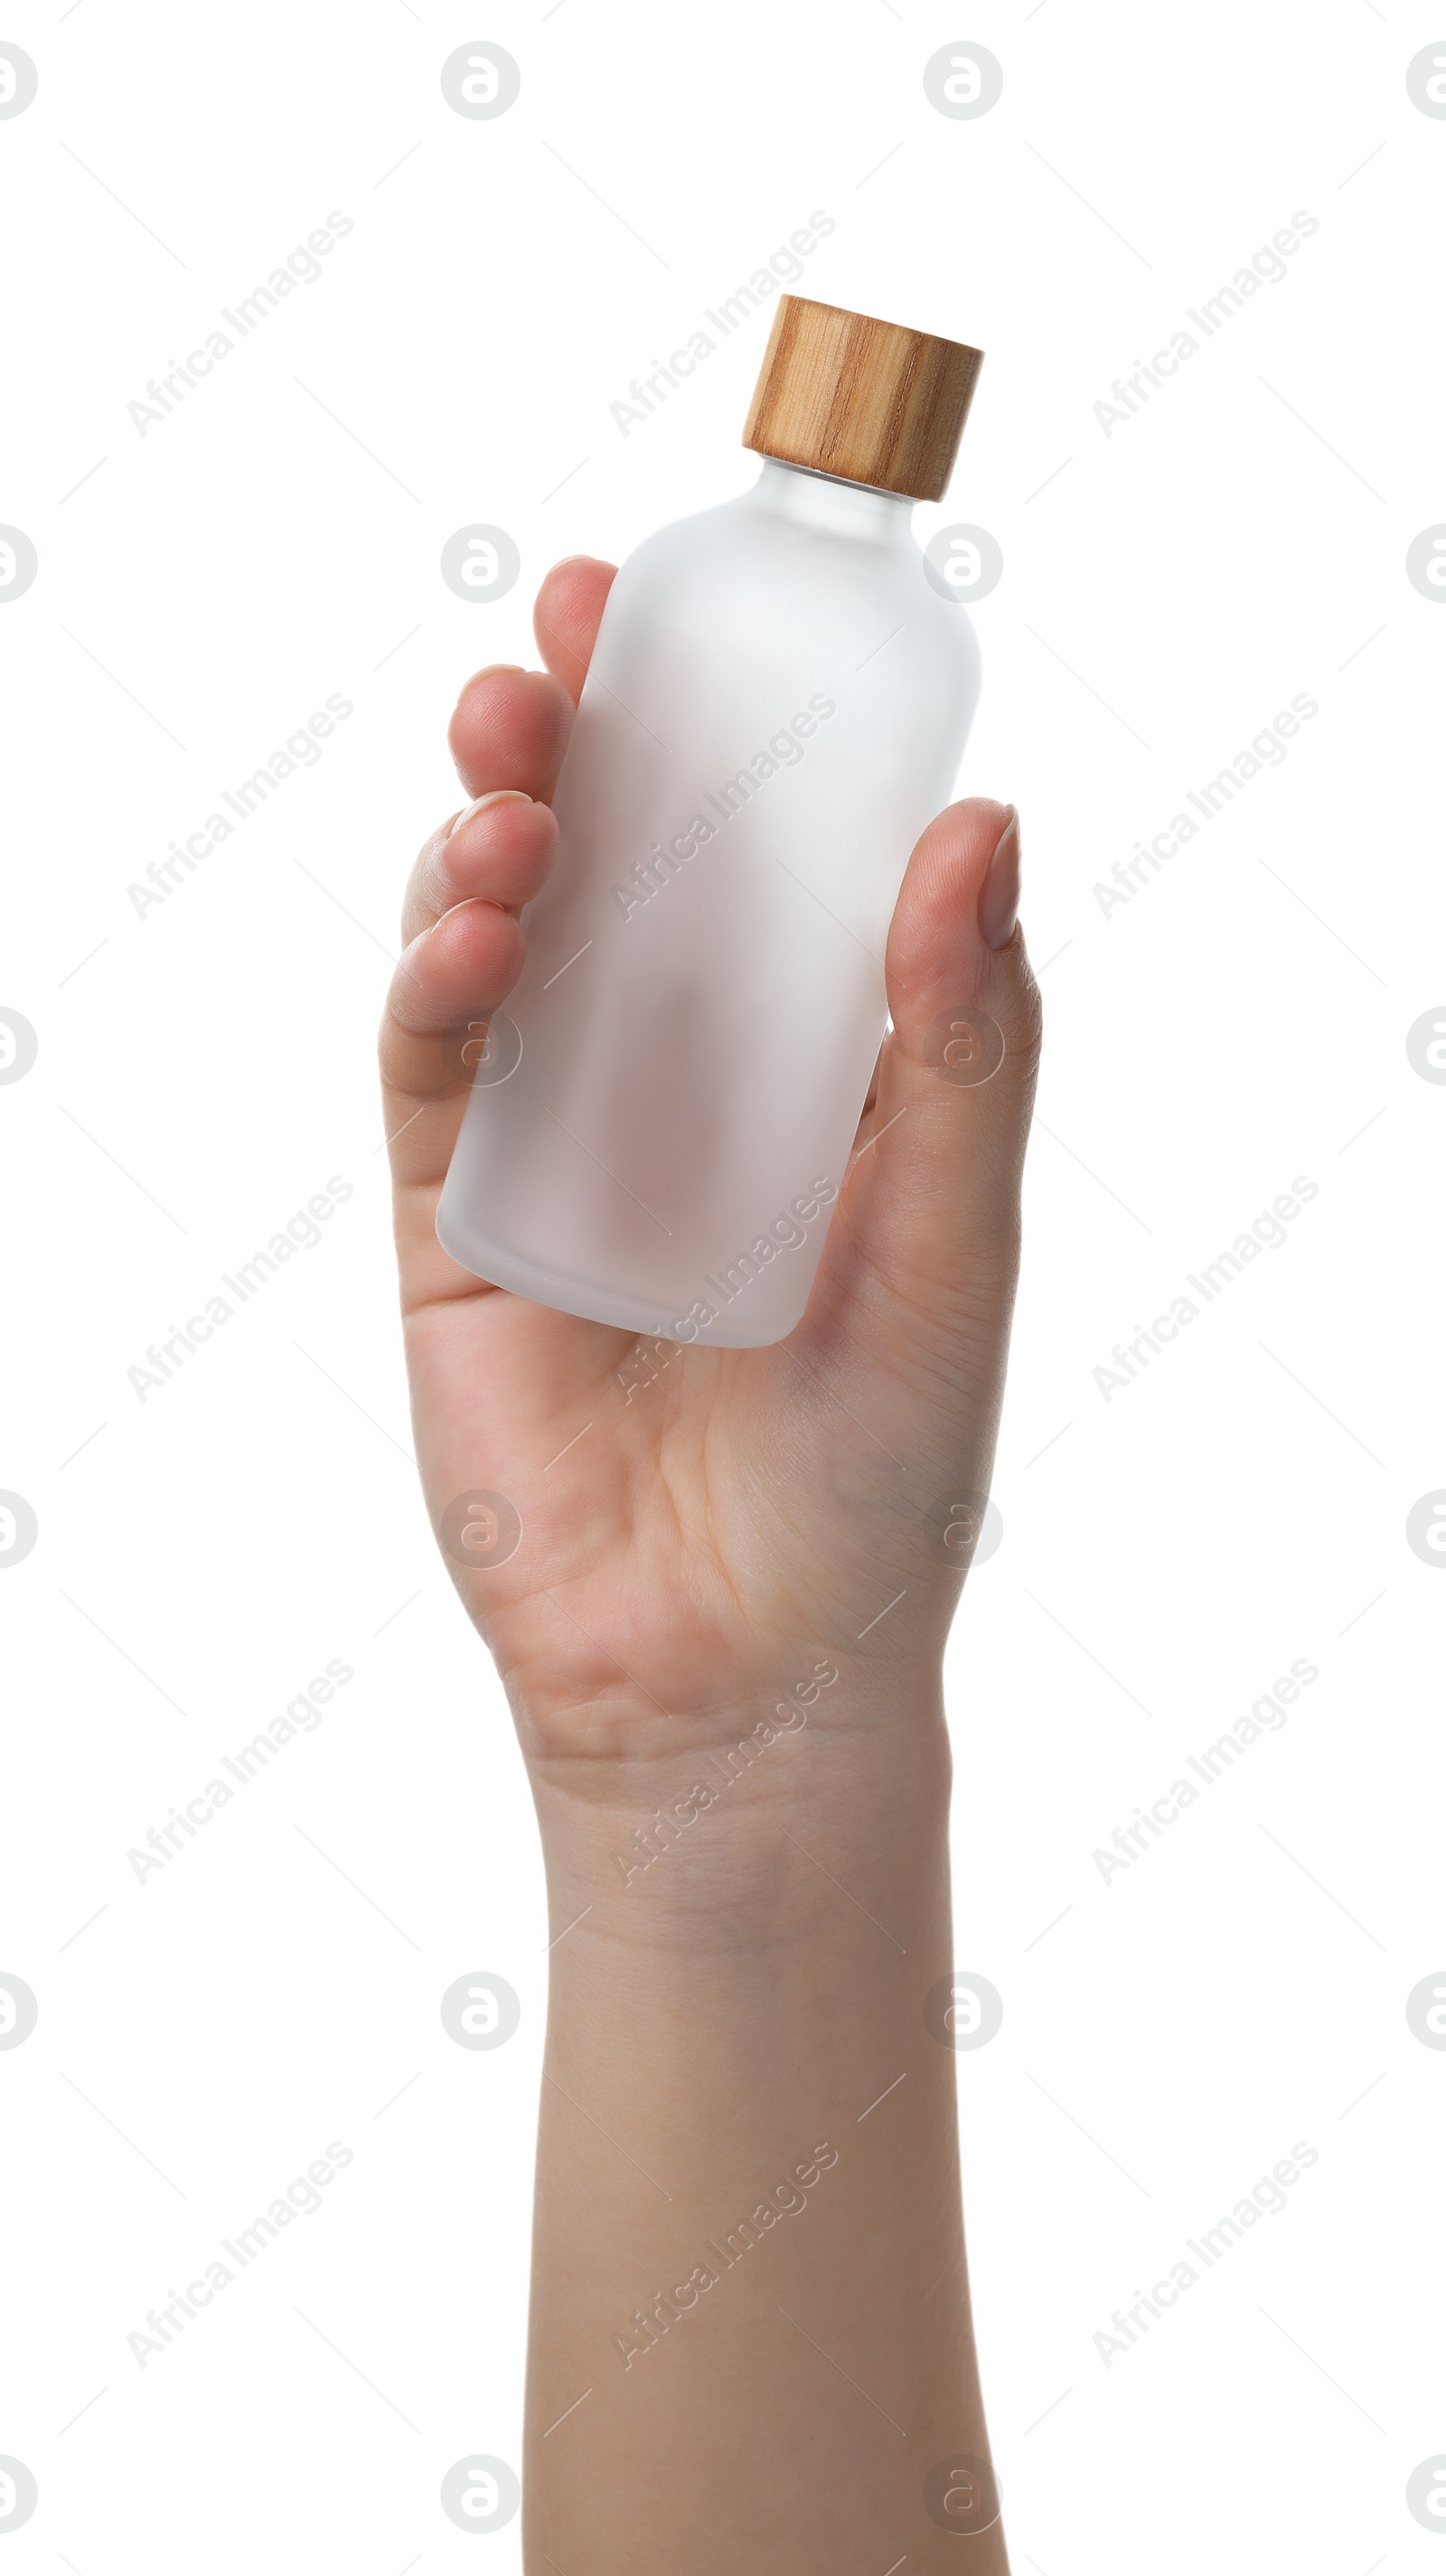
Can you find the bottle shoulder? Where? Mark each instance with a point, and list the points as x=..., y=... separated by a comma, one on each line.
x=748, y=529
x=743, y=563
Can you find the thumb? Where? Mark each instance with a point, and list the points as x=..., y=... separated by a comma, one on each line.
x=920, y=1262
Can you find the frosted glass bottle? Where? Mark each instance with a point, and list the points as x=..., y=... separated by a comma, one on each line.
x=777, y=704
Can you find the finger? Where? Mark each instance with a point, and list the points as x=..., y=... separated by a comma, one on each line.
x=508, y=735
x=565, y=620
x=464, y=954
x=446, y=979
x=464, y=965
x=501, y=847
x=919, y=1265
x=446, y=986
x=510, y=729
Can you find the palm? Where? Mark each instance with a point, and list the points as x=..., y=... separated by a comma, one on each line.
x=673, y=1539
x=695, y=1546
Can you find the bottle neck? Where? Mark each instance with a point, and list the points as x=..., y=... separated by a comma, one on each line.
x=826, y=502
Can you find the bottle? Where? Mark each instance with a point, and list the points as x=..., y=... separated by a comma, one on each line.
x=777, y=704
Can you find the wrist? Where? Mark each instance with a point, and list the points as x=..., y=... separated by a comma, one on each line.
x=744, y=1835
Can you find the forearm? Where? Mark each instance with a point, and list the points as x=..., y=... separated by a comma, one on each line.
x=748, y=2247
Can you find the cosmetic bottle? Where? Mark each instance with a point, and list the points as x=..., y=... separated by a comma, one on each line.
x=661, y=1117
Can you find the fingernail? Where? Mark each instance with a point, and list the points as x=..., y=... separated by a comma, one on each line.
x=494, y=796
x=999, y=894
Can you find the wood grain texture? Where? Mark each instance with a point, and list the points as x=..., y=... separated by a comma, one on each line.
x=867, y=400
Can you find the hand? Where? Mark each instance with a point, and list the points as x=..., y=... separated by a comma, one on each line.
x=693, y=1548
x=729, y=1554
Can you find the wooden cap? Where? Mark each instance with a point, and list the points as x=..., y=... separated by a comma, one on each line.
x=866, y=400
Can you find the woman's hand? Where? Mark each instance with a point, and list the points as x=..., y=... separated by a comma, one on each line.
x=700, y=1527
x=721, y=1630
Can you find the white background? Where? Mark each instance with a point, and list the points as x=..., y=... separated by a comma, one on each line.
x=204, y=1069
